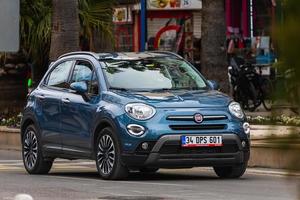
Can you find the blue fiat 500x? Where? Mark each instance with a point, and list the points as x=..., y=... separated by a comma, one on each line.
x=132, y=111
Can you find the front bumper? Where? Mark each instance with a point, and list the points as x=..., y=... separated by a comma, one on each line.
x=168, y=153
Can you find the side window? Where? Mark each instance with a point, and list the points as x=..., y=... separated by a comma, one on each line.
x=59, y=76
x=83, y=71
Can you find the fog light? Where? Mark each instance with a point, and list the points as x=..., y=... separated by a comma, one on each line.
x=246, y=127
x=135, y=129
x=244, y=144
x=145, y=145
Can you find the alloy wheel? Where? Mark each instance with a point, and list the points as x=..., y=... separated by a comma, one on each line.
x=30, y=149
x=106, y=154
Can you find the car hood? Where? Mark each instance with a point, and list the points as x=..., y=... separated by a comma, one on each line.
x=170, y=99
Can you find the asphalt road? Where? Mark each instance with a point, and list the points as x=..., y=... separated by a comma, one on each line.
x=79, y=180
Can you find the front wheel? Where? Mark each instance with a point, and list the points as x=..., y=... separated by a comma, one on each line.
x=231, y=171
x=108, y=156
x=33, y=159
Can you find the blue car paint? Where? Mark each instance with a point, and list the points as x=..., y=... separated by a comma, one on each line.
x=74, y=126
x=211, y=103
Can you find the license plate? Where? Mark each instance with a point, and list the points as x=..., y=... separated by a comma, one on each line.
x=201, y=141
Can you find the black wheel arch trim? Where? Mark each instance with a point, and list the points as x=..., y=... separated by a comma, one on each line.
x=108, y=121
x=24, y=121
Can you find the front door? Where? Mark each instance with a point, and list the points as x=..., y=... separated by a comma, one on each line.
x=48, y=104
x=78, y=111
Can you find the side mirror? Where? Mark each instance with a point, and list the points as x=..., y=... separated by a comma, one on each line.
x=79, y=87
x=213, y=84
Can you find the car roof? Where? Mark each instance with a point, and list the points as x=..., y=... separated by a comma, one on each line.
x=124, y=55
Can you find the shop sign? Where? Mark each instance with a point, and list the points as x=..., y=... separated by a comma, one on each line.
x=122, y=15
x=174, y=4
x=9, y=23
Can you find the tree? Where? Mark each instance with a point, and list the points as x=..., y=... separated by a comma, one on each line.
x=35, y=32
x=35, y=28
x=286, y=33
x=213, y=54
x=65, y=28
x=96, y=23
x=287, y=38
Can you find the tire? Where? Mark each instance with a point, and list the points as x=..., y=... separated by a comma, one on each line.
x=267, y=91
x=267, y=104
x=148, y=170
x=32, y=155
x=254, y=100
x=108, y=156
x=231, y=172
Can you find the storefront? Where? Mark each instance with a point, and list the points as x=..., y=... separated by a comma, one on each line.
x=171, y=25
x=123, y=28
x=174, y=26
x=251, y=21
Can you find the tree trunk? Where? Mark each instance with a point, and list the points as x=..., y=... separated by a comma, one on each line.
x=213, y=54
x=65, y=28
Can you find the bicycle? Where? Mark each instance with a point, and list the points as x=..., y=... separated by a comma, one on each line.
x=250, y=87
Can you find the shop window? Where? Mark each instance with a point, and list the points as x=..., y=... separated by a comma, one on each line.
x=124, y=37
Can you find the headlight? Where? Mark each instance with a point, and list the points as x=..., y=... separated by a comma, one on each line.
x=236, y=110
x=140, y=111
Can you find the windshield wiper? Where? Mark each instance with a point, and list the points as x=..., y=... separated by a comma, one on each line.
x=166, y=89
x=176, y=89
x=118, y=88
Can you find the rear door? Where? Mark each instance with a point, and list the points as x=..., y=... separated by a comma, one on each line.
x=78, y=112
x=48, y=110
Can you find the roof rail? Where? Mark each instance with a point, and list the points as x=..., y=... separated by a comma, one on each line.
x=89, y=53
x=168, y=53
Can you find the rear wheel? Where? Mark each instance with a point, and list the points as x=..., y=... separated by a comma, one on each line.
x=253, y=101
x=108, y=156
x=231, y=171
x=33, y=159
x=267, y=91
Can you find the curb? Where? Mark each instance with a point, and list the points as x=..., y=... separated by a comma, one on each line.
x=267, y=171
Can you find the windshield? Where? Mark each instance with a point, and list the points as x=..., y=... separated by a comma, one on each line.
x=153, y=74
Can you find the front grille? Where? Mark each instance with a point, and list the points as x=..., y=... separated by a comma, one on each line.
x=198, y=127
x=177, y=149
x=191, y=117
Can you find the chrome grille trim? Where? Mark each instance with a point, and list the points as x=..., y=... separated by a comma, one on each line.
x=197, y=127
x=191, y=117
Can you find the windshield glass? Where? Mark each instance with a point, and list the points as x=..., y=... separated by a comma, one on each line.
x=153, y=74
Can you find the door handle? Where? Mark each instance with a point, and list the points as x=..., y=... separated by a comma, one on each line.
x=65, y=100
x=40, y=96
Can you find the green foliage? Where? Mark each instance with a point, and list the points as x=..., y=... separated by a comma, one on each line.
x=275, y=120
x=11, y=121
x=287, y=35
x=35, y=29
x=35, y=25
x=96, y=14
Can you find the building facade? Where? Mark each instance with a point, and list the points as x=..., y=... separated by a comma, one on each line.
x=252, y=22
x=171, y=25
